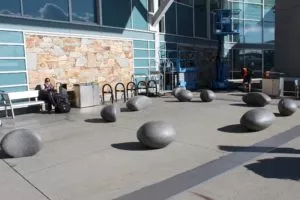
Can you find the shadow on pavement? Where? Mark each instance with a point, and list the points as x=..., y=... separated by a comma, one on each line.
x=278, y=167
x=130, y=146
x=259, y=149
x=234, y=128
x=96, y=120
x=3, y=155
x=125, y=110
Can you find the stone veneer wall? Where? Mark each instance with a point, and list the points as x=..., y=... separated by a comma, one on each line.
x=78, y=60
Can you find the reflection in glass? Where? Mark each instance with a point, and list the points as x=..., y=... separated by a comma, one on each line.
x=47, y=9
x=253, y=60
x=269, y=32
x=10, y=7
x=269, y=14
x=268, y=60
x=239, y=26
x=185, y=20
x=253, y=11
x=200, y=18
x=188, y=2
x=238, y=6
x=84, y=12
x=170, y=22
x=237, y=56
x=253, y=32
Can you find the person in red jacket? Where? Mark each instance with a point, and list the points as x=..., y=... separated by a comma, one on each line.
x=247, y=78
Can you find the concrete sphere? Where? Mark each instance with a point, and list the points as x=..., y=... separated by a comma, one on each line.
x=257, y=99
x=176, y=91
x=184, y=95
x=138, y=103
x=287, y=107
x=21, y=143
x=257, y=119
x=207, y=95
x=156, y=134
x=110, y=113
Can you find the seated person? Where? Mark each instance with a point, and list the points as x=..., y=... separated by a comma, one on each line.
x=46, y=93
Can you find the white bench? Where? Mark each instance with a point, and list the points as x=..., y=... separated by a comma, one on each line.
x=25, y=96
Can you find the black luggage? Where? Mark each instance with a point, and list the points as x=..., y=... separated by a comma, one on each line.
x=61, y=103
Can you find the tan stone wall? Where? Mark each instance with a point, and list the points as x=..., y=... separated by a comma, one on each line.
x=78, y=60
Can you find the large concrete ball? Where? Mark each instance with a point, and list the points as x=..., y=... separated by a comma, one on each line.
x=21, y=143
x=110, y=113
x=138, y=103
x=257, y=99
x=176, y=91
x=257, y=119
x=207, y=95
x=156, y=134
x=184, y=95
x=287, y=107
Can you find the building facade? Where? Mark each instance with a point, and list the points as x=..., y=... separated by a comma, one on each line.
x=287, y=37
x=110, y=41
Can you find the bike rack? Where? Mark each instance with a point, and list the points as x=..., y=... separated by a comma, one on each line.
x=140, y=84
x=120, y=90
x=150, y=87
x=111, y=92
x=133, y=88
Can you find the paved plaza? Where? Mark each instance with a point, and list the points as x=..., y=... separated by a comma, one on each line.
x=212, y=158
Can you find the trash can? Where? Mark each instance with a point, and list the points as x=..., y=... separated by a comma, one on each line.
x=86, y=95
x=273, y=84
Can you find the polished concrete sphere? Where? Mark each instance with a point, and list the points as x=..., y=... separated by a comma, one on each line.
x=175, y=91
x=287, y=107
x=21, y=143
x=184, y=95
x=257, y=99
x=138, y=103
x=207, y=95
x=156, y=134
x=257, y=119
x=110, y=113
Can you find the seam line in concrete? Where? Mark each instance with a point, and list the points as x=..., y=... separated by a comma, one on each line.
x=194, y=177
x=25, y=179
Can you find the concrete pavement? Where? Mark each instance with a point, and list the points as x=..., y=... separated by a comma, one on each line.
x=85, y=158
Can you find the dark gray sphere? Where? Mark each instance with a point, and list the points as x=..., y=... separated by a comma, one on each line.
x=138, y=103
x=287, y=107
x=110, y=113
x=257, y=119
x=176, y=91
x=184, y=95
x=156, y=134
x=207, y=95
x=21, y=143
x=257, y=99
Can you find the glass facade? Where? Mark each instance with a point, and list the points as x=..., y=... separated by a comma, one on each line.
x=256, y=23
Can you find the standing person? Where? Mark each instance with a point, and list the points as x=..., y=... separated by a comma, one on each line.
x=247, y=78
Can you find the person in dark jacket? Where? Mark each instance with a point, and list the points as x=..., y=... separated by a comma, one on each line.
x=247, y=78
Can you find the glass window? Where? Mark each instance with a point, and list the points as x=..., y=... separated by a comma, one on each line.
x=13, y=79
x=11, y=37
x=269, y=32
x=200, y=18
x=84, y=12
x=253, y=11
x=170, y=22
x=237, y=56
x=269, y=14
x=238, y=25
x=12, y=65
x=253, y=1
x=140, y=14
x=268, y=60
x=11, y=51
x=253, y=60
x=239, y=6
x=185, y=20
x=121, y=15
x=10, y=7
x=253, y=32
x=269, y=2
x=47, y=9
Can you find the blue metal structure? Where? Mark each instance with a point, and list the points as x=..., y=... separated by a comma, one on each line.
x=223, y=26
